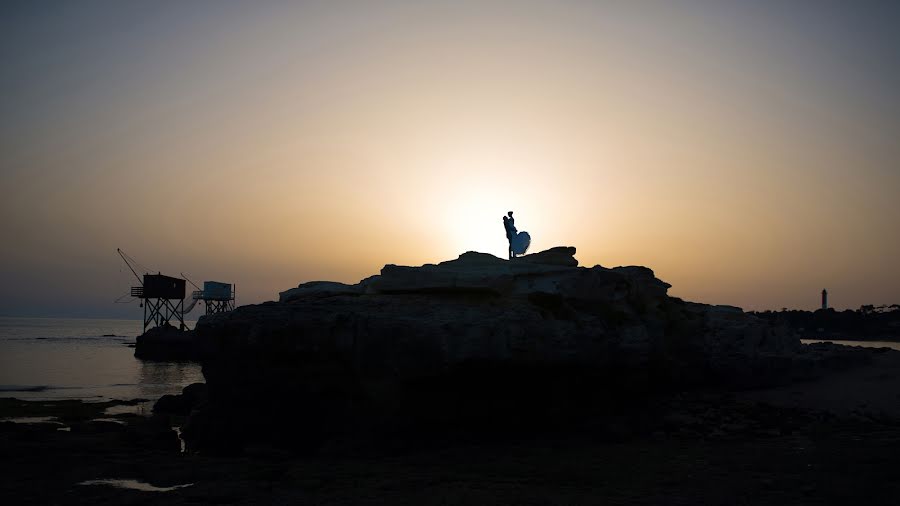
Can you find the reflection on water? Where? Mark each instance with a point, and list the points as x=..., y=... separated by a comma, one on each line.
x=134, y=485
x=864, y=344
x=155, y=379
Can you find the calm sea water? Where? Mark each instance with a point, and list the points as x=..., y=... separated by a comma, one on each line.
x=55, y=358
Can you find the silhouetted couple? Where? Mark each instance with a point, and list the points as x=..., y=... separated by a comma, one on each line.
x=509, y=223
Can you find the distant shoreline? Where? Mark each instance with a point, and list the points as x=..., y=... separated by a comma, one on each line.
x=894, y=345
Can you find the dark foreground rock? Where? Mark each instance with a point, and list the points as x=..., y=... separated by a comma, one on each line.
x=192, y=397
x=471, y=346
x=690, y=448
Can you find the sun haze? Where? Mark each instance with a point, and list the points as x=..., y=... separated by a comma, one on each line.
x=746, y=151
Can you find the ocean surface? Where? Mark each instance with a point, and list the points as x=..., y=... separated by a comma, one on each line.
x=57, y=358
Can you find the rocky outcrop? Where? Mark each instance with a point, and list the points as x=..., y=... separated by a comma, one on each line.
x=315, y=289
x=466, y=343
x=191, y=397
x=168, y=343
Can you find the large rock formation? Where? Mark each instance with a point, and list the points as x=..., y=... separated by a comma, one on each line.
x=468, y=343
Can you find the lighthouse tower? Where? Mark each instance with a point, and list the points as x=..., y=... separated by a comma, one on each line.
x=824, y=299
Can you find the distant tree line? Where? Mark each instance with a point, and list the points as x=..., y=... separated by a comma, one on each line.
x=868, y=323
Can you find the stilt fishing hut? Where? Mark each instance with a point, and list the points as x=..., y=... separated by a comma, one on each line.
x=163, y=300
x=162, y=297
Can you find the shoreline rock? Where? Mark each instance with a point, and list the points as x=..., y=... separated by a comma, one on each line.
x=471, y=345
x=170, y=344
x=191, y=397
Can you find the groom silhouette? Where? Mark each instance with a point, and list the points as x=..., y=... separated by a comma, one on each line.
x=509, y=223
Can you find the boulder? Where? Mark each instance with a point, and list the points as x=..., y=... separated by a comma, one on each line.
x=195, y=394
x=191, y=397
x=168, y=343
x=172, y=405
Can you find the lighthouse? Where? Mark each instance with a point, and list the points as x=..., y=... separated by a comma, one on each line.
x=824, y=299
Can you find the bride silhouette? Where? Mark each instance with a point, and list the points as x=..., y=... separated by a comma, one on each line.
x=518, y=241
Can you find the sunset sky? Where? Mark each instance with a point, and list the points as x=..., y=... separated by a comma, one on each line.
x=747, y=152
